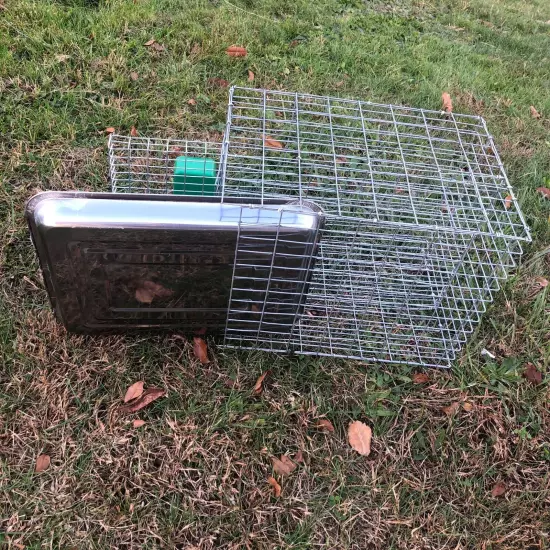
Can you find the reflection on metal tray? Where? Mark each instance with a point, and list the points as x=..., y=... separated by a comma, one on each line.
x=140, y=261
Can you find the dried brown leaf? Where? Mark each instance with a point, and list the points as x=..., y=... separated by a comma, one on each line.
x=134, y=76
x=534, y=112
x=259, y=385
x=544, y=191
x=451, y=409
x=158, y=47
x=499, y=489
x=192, y=101
x=236, y=51
x=276, y=487
x=62, y=57
x=138, y=423
x=508, y=202
x=273, y=143
x=42, y=463
x=532, y=374
x=299, y=457
x=150, y=42
x=109, y=130
x=359, y=437
x=134, y=391
x=251, y=76
x=218, y=82
x=148, y=396
x=543, y=283
x=284, y=466
x=325, y=425
x=134, y=132
x=200, y=350
x=467, y=406
x=447, y=102
x=147, y=291
x=420, y=378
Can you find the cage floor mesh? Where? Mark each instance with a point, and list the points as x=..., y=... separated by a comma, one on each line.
x=420, y=222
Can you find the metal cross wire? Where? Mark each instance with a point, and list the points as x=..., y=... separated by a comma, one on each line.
x=420, y=224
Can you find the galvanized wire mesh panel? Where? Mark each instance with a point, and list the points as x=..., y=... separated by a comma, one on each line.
x=151, y=165
x=421, y=223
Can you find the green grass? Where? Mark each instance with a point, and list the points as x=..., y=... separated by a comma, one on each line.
x=195, y=474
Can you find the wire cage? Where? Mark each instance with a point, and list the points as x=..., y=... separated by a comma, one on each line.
x=419, y=223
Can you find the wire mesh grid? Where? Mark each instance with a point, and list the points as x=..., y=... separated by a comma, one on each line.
x=419, y=223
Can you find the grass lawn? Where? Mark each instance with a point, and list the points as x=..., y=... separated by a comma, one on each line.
x=195, y=475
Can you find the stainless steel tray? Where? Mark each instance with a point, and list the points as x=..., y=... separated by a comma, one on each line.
x=139, y=261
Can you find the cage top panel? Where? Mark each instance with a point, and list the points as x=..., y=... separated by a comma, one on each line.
x=391, y=165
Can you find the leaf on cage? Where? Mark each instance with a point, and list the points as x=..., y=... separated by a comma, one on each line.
x=451, y=409
x=42, y=463
x=325, y=425
x=150, y=42
x=109, y=130
x=276, y=487
x=508, y=202
x=467, y=406
x=273, y=143
x=250, y=76
x=420, y=378
x=447, y=102
x=147, y=291
x=544, y=191
x=532, y=374
x=284, y=466
x=236, y=51
x=218, y=82
x=134, y=76
x=138, y=423
x=498, y=489
x=259, y=385
x=399, y=190
x=134, y=391
x=134, y=132
x=192, y=101
x=360, y=437
x=148, y=396
x=534, y=112
x=200, y=350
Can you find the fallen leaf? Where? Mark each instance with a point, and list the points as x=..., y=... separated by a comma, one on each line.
x=467, y=406
x=273, y=143
x=420, y=378
x=508, y=202
x=150, y=42
x=250, y=76
x=542, y=281
x=499, y=489
x=276, y=487
x=134, y=132
x=62, y=57
x=339, y=84
x=138, y=423
x=134, y=76
x=109, y=130
x=42, y=463
x=236, y=51
x=148, y=396
x=544, y=191
x=325, y=425
x=192, y=101
x=299, y=457
x=158, y=47
x=218, y=82
x=534, y=112
x=283, y=467
x=359, y=437
x=447, y=102
x=134, y=391
x=149, y=290
x=195, y=50
x=259, y=385
x=451, y=409
x=200, y=350
x=16, y=544
x=532, y=374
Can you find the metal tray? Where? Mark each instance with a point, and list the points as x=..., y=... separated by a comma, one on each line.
x=120, y=261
